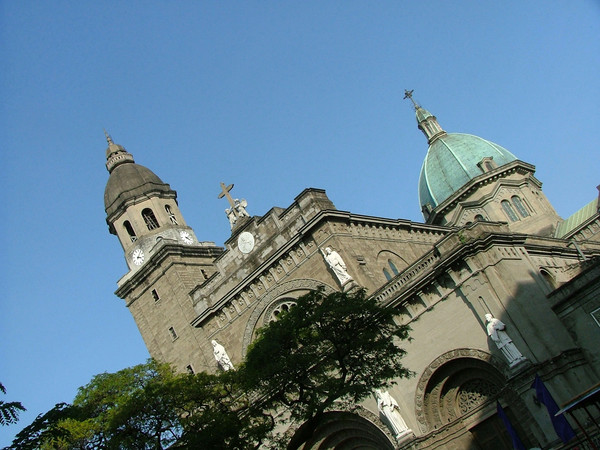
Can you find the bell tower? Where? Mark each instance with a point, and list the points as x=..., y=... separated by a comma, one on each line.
x=140, y=208
x=165, y=259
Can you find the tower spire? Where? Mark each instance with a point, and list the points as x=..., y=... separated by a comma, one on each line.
x=108, y=138
x=426, y=121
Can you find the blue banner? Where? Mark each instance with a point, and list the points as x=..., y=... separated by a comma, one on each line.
x=516, y=442
x=561, y=426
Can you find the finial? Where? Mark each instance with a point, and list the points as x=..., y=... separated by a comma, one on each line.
x=108, y=138
x=408, y=94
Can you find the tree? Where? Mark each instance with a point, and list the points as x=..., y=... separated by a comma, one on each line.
x=326, y=349
x=9, y=411
x=149, y=406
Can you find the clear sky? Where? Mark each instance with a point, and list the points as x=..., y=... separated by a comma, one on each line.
x=272, y=96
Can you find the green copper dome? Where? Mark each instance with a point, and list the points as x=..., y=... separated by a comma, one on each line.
x=452, y=161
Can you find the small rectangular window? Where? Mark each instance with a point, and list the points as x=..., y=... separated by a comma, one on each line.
x=173, y=333
x=155, y=295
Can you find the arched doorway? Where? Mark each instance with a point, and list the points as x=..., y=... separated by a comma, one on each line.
x=341, y=430
x=457, y=394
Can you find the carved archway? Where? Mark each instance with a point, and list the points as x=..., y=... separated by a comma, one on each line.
x=341, y=430
x=455, y=384
x=282, y=293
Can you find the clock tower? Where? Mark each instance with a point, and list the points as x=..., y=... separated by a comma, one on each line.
x=163, y=254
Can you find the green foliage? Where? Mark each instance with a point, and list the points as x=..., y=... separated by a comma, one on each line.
x=326, y=349
x=148, y=406
x=9, y=411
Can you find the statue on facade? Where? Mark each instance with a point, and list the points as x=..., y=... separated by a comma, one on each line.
x=222, y=357
x=495, y=330
x=389, y=409
x=240, y=207
x=237, y=208
x=337, y=265
x=231, y=216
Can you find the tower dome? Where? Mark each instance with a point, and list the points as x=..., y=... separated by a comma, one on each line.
x=129, y=181
x=452, y=161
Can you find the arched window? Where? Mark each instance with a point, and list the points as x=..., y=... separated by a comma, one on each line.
x=171, y=215
x=130, y=231
x=479, y=218
x=519, y=206
x=393, y=267
x=508, y=209
x=387, y=274
x=150, y=219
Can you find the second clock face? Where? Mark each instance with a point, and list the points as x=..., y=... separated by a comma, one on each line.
x=137, y=256
x=246, y=242
x=186, y=237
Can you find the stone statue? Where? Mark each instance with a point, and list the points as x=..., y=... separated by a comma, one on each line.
x=495, y=330
x=222, y=357
x=336, y=263
x=388, y=407
x=240, y=207
x=231, y=216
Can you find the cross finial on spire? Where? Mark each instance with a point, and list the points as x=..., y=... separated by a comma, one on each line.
x=408, y=94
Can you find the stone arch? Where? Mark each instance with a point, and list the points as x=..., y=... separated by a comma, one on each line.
x=343, y=430
x=272, y=298
x=455, y=384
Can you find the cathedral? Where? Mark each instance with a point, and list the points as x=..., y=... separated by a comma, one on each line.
x=499, y=291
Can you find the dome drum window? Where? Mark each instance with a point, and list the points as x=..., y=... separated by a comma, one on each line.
x=518, y=203
x=509, y=211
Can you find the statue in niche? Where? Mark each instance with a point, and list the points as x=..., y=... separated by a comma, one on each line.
x=389, y=409
x=222, y=357
x=495, y=330
x=337, y=265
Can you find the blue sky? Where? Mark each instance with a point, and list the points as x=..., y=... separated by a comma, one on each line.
x=272, y=96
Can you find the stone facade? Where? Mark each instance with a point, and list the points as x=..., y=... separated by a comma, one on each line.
x=442, y=278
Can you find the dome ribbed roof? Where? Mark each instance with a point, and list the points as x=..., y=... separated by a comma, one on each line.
x=452, y=161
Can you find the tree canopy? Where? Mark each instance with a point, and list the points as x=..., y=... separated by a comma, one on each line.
x=149, y=406
x=325, y=350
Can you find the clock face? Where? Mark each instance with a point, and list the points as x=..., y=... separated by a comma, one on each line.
x=137, y=256
x=246, y=242
x=186, y=237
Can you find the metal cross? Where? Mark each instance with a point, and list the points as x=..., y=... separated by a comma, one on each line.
x=409, y=94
